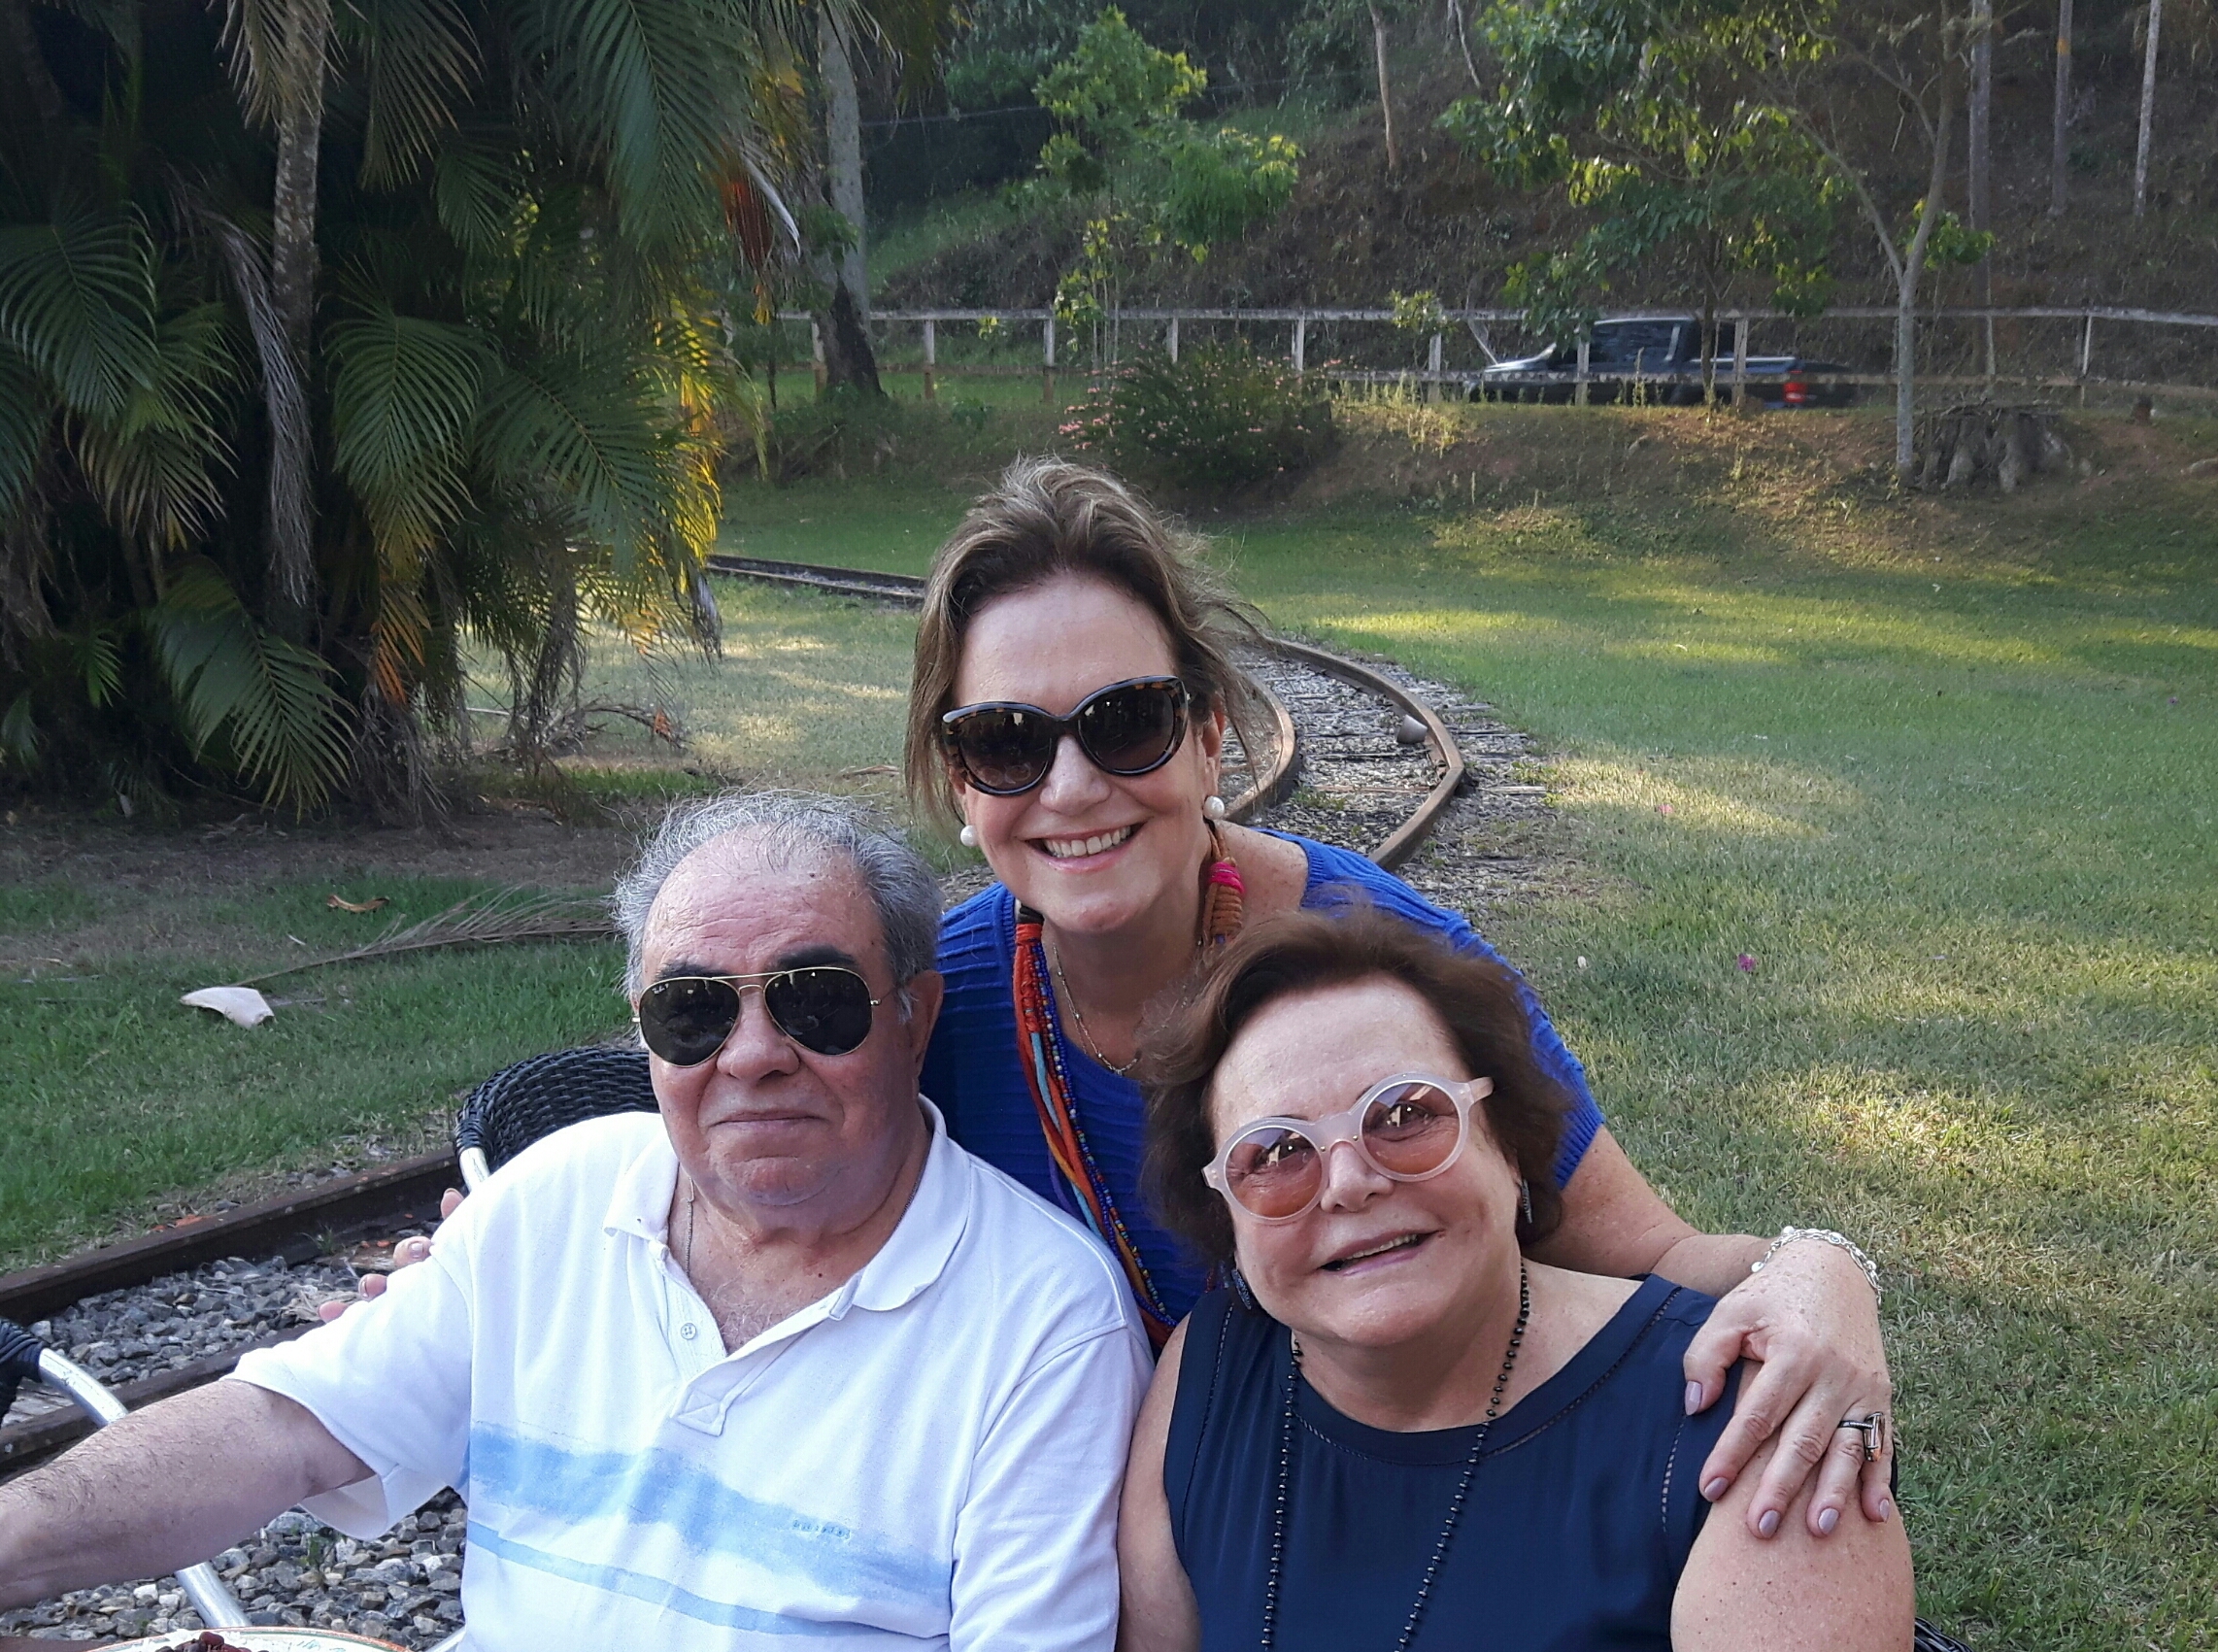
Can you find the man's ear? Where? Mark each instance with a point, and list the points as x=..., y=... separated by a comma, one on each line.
x=926, y=992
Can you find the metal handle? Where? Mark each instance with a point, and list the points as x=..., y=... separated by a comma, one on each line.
x=218, y=1606
x=475, y=1170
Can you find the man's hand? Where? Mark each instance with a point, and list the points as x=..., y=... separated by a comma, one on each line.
x=1810, y=1317
x=406, y=1254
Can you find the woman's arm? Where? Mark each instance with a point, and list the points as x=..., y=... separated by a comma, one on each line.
x=1810, y=1317
x=1159, y=1614
x=1740, y=1594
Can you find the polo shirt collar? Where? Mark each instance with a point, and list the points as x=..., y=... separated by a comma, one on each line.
x=912, y=1257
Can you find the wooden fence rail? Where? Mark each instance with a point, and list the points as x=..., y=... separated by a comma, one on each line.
x=1299, y=320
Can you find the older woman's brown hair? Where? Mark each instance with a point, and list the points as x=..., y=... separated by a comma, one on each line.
x=1477, y=1001
x=1048, y=517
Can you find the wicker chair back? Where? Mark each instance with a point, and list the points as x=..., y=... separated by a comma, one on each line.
x=519, y=1105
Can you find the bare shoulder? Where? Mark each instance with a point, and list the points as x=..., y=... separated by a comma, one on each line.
x=1276, y=872
x=1160, y=1613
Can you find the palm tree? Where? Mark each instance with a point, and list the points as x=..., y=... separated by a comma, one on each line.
x=333, y=340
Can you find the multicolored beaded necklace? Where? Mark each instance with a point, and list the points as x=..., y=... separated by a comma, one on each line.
x=1040, y=1051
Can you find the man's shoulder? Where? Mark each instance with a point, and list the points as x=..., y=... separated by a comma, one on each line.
x=1025, y=1245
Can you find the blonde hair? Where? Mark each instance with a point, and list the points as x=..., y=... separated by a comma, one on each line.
x=1049, y=519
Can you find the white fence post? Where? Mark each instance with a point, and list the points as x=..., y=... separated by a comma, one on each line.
x=1173, y=340
x=931, y=357
x=1585, y=342
x=1432, y=360
x=816, y=354
x=1047, y=359
x=2086, y=354
x=1739, y=361
x=1302, y=344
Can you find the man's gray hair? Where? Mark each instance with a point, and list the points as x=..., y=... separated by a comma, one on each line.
x=782, y=827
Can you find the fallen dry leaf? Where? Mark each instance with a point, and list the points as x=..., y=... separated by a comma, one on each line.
x=340, y=903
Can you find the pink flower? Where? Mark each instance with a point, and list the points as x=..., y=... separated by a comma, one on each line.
x=1664, y=808
x=1746, y=964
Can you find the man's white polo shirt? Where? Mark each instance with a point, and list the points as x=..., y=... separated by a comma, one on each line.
x=931, y=1455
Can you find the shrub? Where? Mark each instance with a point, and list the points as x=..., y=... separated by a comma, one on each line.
x=1218, y=417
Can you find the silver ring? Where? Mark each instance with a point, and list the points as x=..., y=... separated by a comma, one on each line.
x=1873, y=1425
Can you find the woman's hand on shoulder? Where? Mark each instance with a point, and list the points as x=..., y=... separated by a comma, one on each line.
x=1159, y=1612
x=1739, y=1593
x=1812, y=1320
x=406, y=1254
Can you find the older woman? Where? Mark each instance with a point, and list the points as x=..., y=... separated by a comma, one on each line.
x=1393, y=1427
x=1072, y=690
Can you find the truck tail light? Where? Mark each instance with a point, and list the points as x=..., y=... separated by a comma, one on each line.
x=1798, y=393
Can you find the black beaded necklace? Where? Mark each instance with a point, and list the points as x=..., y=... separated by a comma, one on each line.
x=1454, y=1506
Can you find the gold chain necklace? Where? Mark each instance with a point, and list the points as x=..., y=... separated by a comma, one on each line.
x=1085, y=1032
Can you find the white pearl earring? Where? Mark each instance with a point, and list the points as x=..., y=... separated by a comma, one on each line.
x=1213, y=806
x=970, y=836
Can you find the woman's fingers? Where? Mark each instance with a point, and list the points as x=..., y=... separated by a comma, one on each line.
x=1768, y=1396
x=1710, y=1354
x=449, y=1201
x=1876, y=1480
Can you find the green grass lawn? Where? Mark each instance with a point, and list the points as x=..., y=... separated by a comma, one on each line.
x=1944, y=770
x=117, y=1096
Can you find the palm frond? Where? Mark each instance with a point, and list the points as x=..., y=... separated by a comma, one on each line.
x=404, y=397
x=76, y=297
x=154, y=468
x=586, y=430
x=477, y=189
x=269, y=700
x=280, y=52
x=417, y=59
x=649, y=84
x=502, y=918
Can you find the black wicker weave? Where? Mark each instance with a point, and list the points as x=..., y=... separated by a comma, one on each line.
x=519, y=1105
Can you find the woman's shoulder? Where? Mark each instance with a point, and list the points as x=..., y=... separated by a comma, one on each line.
x=1337, y=876
x=972, y=931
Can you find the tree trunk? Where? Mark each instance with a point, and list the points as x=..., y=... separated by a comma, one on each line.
x=848, y=357
x=844, y=322
x=307, y=37
x=2148, y=108
x=1977, y=161
x=1386, y=90
x=1911, y=268
x=2058, y=153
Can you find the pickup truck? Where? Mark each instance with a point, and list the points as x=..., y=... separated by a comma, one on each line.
x=1658, y=359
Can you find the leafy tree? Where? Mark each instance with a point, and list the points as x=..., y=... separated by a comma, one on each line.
x=1150, y=181
x=333, y=339
x=1652, y=115
x=1922, y=58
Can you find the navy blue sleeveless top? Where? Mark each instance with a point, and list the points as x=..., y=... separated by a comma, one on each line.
x=1581, y=1515
x=974, y=1074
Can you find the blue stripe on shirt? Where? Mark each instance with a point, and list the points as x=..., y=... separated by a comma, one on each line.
x=654, y=1487
x=655, y=1591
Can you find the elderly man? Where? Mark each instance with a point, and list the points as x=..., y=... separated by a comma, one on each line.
x=785, y=1362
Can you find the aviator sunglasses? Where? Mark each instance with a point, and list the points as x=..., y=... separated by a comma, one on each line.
x=686, y=1019
x=1128, y=728
x=1408, y=1128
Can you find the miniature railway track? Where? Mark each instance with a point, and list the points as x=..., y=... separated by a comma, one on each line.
x=1346, y=754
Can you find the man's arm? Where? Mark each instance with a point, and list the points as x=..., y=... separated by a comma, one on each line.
x=1036, y=1563
x=1809, y=1318
x=164, y=1488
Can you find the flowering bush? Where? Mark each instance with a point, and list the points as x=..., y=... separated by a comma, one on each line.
x=1218, y=417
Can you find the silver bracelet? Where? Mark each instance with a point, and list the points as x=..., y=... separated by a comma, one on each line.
x=1840, y=1241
